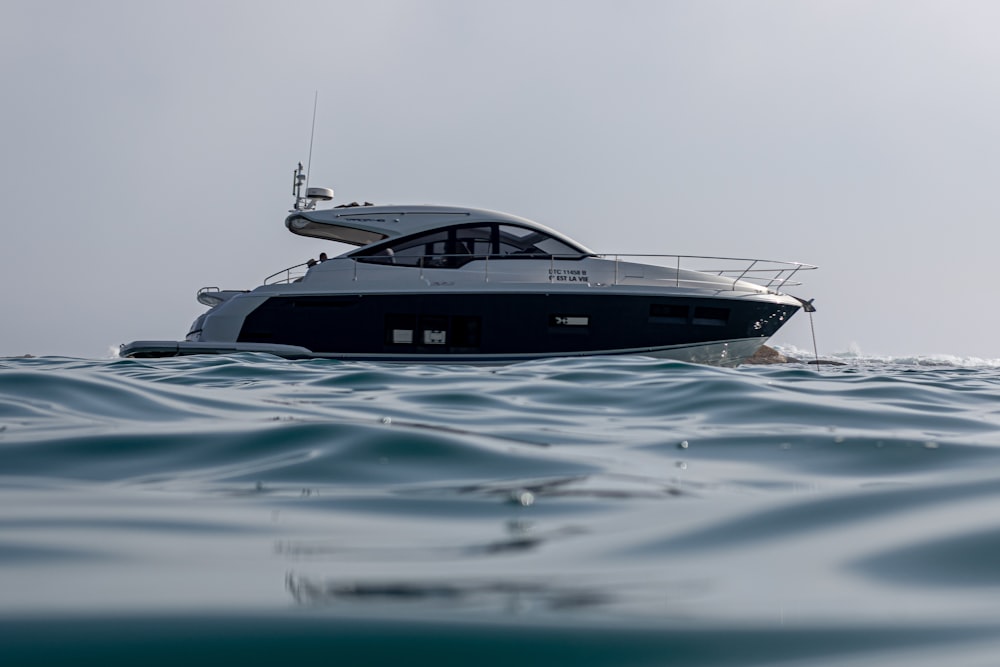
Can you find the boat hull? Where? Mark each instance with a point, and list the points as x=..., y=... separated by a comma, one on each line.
x=493, y=327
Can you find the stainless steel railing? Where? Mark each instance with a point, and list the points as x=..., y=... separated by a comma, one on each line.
x=773, y=275
x=289, y=275
x=769, y=273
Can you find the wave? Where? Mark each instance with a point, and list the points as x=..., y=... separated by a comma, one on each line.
x=855, y=356
x=689, y=500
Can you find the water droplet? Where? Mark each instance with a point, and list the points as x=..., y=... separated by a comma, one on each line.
x=683, y=444
x=522, y=497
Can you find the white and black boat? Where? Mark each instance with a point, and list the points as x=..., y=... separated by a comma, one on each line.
x=449, y=284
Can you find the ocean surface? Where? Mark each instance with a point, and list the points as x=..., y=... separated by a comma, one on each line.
x=610, y=511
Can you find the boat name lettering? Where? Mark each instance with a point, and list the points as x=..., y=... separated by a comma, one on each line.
x=569, y=275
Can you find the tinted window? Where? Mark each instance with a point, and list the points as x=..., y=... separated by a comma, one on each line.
x=454, y=247
x=476, y=241
x=427, y=250
x=519, y=241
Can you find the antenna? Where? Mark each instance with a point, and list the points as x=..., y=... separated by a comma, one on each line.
x=300, y=177
x=312, y=135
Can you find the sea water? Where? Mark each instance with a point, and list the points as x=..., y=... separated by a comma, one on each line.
x=247, y=509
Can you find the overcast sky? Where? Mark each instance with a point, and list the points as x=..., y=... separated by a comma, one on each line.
x=147, y=148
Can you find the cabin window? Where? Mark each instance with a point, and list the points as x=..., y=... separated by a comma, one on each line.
x=711, y=315
x=433, y=330
x=466, y=332
x=427, y=249
x=434, y=250
x=668, y=313
x=399, y=329
x=458, y=333
x=517, y=241
x=475, y=241
x=456, y=246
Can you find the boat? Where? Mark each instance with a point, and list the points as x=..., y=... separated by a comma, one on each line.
x=448, y=284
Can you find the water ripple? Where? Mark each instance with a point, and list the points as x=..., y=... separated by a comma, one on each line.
x=811, y=504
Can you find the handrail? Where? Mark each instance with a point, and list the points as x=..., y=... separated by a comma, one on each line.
x=768, y=273
x=288, y=274
x=771, y=274
x=746, y=271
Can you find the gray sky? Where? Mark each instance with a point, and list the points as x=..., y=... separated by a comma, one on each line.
x=147, y=148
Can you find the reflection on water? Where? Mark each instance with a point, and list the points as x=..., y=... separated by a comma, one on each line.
x=508, y=597
x=522, y=537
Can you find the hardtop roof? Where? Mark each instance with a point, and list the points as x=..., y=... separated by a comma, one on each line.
x=363, y=225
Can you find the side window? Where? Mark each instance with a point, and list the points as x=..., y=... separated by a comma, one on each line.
x=455, y=247
x=429, y=247
x=448, y=248
x=521, y=242
x=426, y=249
x=476, y=241
x=514, y=240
